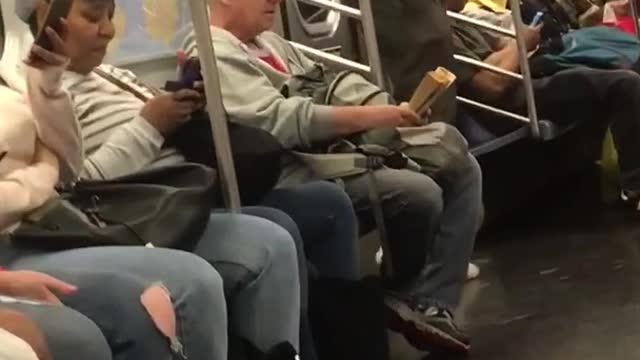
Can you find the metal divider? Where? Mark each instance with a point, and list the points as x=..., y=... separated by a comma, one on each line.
x=525, y=71
x=226, y=168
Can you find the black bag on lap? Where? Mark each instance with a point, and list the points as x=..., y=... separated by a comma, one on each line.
x=256, y=154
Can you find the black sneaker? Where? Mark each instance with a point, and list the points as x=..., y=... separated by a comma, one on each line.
x=426, y=328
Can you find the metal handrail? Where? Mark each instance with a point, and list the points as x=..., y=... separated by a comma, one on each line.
x=365, y=16
x=486, y=66
x=330, y=58
x=525, y=70
x=371, y=43
x=330, y=5
x=482, y=24
x=226, y=168
x=493, y=109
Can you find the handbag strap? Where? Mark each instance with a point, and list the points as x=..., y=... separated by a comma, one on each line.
x=127, y=87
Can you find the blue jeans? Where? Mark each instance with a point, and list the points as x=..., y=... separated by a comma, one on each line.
x=69, y=334
x=431, y=228
x=256, y=259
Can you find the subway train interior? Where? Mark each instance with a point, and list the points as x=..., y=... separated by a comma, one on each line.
x=555, y=263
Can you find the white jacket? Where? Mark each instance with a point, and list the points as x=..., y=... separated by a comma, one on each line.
x=14, y=348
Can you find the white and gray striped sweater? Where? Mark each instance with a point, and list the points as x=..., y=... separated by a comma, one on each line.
x=117, y=140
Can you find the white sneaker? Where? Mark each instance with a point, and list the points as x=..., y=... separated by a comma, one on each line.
x=379, y=256
x=473, y=271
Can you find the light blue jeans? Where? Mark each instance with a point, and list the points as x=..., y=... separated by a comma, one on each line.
x=259, y=262
x=69, y=334
x=431, y=227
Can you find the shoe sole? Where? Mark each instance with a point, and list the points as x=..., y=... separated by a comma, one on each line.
x=424, y=339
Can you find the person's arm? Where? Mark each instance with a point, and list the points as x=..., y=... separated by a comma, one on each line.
x=490, y=86
x=28, y=188
x=138, y=143
x=250, y=98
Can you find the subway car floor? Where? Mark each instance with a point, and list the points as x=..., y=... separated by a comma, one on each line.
x=559, y=282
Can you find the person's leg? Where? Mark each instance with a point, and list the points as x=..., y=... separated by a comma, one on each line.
x=67, y=333
x=328, y=225
x=112, y=282
x=307, y=344
x=258, y=262
x=431, y=232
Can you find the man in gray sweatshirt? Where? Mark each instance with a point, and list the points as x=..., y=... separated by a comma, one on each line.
x=432, y=226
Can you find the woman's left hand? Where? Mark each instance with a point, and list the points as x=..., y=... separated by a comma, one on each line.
x=42, y=58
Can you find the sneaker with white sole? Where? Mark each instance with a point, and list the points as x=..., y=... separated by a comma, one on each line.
x=473, y=271
x=425, y=327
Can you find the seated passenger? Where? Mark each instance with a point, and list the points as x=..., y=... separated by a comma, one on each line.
x=424, y=220
x=131, y=293
x=122, y=134
x=608, y=96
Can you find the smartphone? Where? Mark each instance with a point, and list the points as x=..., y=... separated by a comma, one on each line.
x=58, y=9
x=536, y=19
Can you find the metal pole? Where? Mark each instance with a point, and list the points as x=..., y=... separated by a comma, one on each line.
x=634, y=16
x=371, y=43
x=226, y=168
x=524, y=68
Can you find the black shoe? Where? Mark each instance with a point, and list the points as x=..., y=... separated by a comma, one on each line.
x=426, y=328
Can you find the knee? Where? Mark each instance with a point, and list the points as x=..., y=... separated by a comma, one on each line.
x=203, y=279
x=266, y=245
x=419, y=195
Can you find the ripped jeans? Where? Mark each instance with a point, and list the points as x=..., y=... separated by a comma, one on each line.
x=112, y=280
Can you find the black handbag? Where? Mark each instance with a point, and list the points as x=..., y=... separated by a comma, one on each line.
x=163, y=207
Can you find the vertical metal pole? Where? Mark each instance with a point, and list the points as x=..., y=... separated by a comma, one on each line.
x=371, y=42
x=634, y=16
x=226, y=168
x=524, y=67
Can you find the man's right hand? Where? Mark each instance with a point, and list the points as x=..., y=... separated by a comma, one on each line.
x=167, y=112
x=35, y=286
x=397, y=116
x=532, y=37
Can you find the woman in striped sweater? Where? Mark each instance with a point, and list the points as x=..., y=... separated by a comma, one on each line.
x=146, y=303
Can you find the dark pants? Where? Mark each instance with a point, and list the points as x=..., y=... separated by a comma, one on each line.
x=609, y=96
x=320, y=218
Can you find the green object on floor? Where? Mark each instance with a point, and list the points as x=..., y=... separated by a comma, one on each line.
x=610, y=173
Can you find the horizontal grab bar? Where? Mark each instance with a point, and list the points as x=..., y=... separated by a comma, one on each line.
x=480, y=23
x=486, y=66
x=493, y=109
x=330, y=5
x=334, y=59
